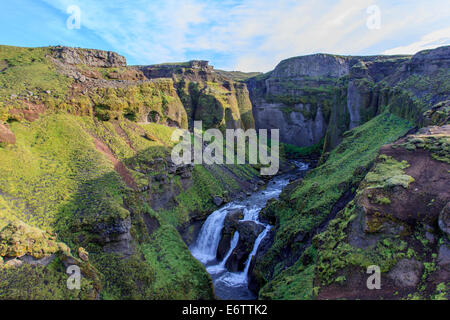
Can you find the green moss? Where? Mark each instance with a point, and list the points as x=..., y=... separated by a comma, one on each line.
x=437, y=144
x=41, y=283
x=295, y=282
x=18, y=239
x=383, y=200
x=309, y=203
x=179, y=275
x=293, y=152
x=441, y=292
x=57, y=157
x=335, y=254
x=29, y=69
x=388, y=173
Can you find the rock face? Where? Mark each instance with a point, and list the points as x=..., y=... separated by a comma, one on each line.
x=230, y=226
x=116, y=237
x=248, y=232
x=22, y=245
x=89, y=57
x=406, y=273
x=207, y=95
x=407, y=220
x=322, y=96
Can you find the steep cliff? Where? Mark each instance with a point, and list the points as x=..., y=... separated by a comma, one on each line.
x=95, y=185
x=377, y=197
x=321, y=95
x=210, y=96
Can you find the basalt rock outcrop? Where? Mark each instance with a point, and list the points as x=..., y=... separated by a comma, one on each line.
x=89, y=57
x=397, y=221
x=248, y=232
x=321, y=96
x=209, y=96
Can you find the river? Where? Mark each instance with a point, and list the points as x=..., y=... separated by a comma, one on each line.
x=234, y=285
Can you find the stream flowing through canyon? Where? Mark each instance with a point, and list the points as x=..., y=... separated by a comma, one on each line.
x=234, y=285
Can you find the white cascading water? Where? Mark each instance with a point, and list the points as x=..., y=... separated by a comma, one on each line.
x=234, y=285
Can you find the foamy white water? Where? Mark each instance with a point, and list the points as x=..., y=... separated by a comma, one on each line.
x=234, y=285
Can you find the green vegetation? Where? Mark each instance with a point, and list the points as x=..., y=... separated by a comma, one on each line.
x=237, y=75
x=29, y=282
x=438, y=145
x=52, y=159
x=27, y=70
x=309, y=203
x=388, y=173
x=180, y=276
x=335, y=254
x=64, y=184
x=293, y=152
x=295, y=282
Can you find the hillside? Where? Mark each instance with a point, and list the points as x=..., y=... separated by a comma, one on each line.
x=87, y=178
x=85, y=157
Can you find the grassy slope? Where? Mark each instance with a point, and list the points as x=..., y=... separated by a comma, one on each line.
x=55, y=178
x=28, y=69
x=307, y=206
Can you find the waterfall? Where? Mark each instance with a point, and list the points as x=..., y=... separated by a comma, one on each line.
x=214, y=269
x=234, y=285
x=205, y=248
x=258, y=240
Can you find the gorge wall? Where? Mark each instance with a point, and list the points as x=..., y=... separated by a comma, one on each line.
x=96, y=186
x=386, y=155
x=322, y=96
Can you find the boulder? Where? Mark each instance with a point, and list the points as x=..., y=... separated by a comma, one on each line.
x=407, y=273
x=444, y=219
x=45, y=261
x=218, y=201
x=13, y=263
x=444, y=257
x=83, y=254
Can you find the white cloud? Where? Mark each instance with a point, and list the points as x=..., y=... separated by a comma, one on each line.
x=429, y=41
x=254, y=35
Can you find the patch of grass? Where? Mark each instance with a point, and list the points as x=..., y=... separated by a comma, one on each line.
x=335, y=254
x=305, y=207
x=294, y=152
x=178, y=274
x=28, y=69
x=388, y=173
x=52, y=159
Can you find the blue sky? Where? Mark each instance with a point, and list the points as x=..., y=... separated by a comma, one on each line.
x=247, y=35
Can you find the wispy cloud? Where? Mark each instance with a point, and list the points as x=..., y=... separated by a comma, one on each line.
x=429, y=41
x=254, y=35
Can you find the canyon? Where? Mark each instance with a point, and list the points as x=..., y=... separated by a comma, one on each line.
x=96, y=186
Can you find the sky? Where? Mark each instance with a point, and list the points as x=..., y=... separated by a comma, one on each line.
x=245, y=35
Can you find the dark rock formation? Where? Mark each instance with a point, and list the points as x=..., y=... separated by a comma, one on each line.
x=231, y=224
x=320, y=95
x=89, y=57
x=248, y=232
x=389, y=215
